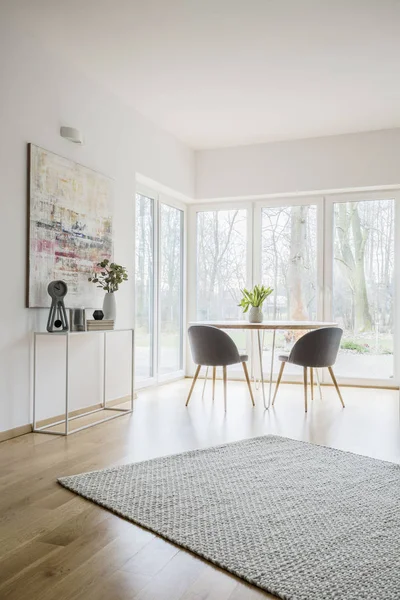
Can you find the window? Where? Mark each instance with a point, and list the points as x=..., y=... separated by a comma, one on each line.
x=171, y=292
x=144, y=287
x=289, y=261
x=331, y=258
x=221, y=263
x=159, y=243
x=222, y=267
x=288, y=257
x=363, y=286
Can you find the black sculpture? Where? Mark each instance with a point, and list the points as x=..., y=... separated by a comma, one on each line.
x=57, y=317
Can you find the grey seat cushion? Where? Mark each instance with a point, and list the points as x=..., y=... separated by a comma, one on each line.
x=244, y=357
x=283, y=357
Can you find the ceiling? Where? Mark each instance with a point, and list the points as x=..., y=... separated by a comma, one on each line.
x=232, y=72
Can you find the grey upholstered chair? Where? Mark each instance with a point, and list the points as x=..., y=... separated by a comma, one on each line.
x=212, y=347
x=315, y=349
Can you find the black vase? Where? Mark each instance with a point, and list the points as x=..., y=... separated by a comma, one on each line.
x=98, y=315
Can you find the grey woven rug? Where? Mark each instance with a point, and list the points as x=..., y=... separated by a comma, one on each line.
x=301, y=521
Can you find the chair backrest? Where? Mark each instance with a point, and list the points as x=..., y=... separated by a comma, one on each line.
x=317, y=348
x=212, y=347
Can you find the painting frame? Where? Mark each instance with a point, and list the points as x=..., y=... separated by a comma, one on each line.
x=93, y=194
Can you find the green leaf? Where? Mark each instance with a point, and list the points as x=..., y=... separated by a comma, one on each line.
x=111, y=275
x=255, y=297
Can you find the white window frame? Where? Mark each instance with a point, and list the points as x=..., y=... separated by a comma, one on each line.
x=317, y=201
x=158, y=199
x=324, y=203
x=192, y=261
x=328, y=270
x=153, y=196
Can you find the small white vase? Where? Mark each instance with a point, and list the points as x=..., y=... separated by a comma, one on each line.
x=109, y=306
x=256, y=315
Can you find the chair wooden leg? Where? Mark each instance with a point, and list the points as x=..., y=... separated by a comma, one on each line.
x=224, y=377
x=246, y=374
x=336, y=385
x=214, y=377
x=305, y=388
x=278, y=381
x=312, y=382
x=193, y=383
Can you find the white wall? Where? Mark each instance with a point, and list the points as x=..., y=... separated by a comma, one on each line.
x=330, y=163
x=38, y=94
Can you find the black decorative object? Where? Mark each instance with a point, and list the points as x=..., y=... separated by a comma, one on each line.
x=98, y=315
x=77, y=319
x=57, y=320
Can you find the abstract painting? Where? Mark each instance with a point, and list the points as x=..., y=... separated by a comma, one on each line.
x=70, y=227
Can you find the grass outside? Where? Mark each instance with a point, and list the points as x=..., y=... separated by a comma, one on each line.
x=367, y=343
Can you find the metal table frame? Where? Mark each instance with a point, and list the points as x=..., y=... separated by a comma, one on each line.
x=67, y=419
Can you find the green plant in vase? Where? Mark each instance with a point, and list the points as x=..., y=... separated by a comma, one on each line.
x=109, y=277
x=253, y=300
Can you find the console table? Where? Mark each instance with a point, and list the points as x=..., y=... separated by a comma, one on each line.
x=67, y=335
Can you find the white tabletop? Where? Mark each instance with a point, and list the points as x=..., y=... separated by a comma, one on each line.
x=267, y=324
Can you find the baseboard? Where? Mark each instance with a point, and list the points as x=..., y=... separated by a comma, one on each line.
x=24, y=429
x=16, y=432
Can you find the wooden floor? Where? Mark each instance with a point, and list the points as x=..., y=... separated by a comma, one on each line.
x=55, y=545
